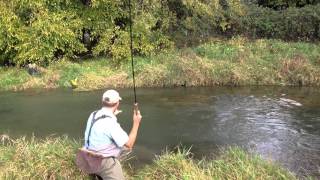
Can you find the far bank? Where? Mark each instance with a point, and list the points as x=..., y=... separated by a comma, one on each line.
x=235, y=62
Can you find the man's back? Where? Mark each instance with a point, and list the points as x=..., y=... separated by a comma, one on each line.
x=106, y=136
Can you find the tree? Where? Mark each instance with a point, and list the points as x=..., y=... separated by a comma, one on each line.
x=283, y=4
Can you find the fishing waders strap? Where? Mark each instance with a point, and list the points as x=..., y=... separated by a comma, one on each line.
x=92, y=122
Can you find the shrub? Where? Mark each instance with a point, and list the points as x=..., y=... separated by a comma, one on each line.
x=290, y=24
x=42, y=31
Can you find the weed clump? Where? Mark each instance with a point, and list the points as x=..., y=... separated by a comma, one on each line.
x=54, y=158
x=232, y=163
x=299, y=71
x=50, y=158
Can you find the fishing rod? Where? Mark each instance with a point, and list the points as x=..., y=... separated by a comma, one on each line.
x=131, y=53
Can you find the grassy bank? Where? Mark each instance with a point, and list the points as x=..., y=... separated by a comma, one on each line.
x=237, y=61
x=53, y=158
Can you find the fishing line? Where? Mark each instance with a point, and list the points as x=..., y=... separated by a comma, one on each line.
x=131, y=51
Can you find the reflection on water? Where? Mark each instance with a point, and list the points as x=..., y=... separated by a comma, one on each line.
x=282, y=124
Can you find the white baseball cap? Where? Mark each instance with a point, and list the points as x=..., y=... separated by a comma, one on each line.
x=111, y=96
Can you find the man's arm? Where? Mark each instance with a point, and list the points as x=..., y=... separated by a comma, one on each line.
x=134, y=130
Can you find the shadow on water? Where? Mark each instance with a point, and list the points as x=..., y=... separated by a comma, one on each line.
x=279, y=123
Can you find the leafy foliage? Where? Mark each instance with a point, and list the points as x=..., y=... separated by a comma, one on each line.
x=280, y=4
x=42, y=31
x=290, y=24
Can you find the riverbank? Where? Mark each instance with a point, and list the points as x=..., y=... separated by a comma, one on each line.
x=53, y=158
x=234, y=62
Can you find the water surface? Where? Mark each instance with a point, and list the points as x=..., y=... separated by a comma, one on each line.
x=264, y=120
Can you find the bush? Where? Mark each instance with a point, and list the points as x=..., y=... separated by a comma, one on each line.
x=280, y=4
x=42, y=31
x=290, y=24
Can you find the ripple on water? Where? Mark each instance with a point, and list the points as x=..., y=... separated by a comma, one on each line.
x=272, y=126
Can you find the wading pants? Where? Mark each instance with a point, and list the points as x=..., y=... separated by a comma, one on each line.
x=110, y=169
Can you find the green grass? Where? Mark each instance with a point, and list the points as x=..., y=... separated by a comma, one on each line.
x=53, y=158
x=12, y=77
x=232, y=163
x=237, y=61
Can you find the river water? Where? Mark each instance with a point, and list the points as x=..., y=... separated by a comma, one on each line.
x=279, y=123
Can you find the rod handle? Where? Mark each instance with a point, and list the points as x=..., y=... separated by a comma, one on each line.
x=135, y=107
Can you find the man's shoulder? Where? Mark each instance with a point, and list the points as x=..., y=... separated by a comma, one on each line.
x=93, y=113
x=105, y=118
x=99, y=113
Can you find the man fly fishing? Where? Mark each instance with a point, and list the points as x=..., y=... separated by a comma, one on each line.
x=105, y=139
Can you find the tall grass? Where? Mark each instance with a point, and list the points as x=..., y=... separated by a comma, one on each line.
x=50, y=158
x=233, y=163
x=12, y=77
x=237, y=61
x=53, y=158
